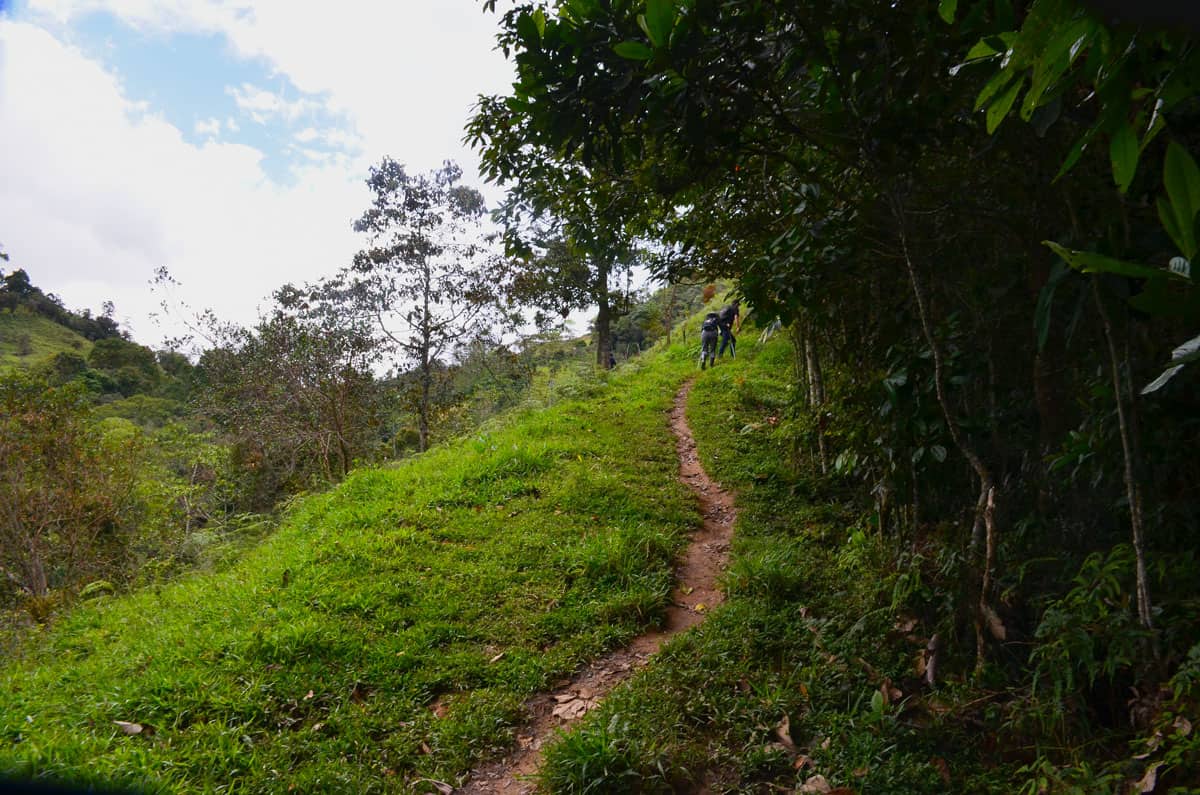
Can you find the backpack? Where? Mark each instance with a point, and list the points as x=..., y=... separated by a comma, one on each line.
x=710, y=323
x=727, y=314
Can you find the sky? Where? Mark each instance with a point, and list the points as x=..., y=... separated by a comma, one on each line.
x=226, y=140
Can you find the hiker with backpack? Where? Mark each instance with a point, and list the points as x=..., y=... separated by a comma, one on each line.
x=708, y=339
x=725, y=322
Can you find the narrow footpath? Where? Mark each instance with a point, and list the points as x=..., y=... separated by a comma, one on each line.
x=695, y=593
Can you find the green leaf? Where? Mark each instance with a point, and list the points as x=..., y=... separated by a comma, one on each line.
x=1166, y=214
x=938, y=452
x=660, y=19
x=982, y=49
x=1182, y=179
x=1172, y=296
x=1000, y=107
x=539, y=19
x=1055, y=59
x=996, y=84
x=1123, y=152
x=1091, y=262
x=947, y=9
x=634, y=51
x=527, y=29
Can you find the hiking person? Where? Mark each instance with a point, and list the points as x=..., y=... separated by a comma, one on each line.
x=708, y=339
x=727, y=317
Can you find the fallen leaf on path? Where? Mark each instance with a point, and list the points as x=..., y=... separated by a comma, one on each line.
x=496, y=658
x=310, y=695
x=1149, y=781
x=134, y=729
x=816, y=784
x=571, y=710
x=783, y=732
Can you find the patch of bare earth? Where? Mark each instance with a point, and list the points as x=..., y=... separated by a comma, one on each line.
x=694, y=594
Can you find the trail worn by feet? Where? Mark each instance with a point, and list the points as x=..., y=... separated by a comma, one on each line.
x=694, y=594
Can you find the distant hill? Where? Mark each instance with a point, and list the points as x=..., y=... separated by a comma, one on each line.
x=27, y=338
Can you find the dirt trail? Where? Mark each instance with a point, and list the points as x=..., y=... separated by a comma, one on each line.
x=694, y=594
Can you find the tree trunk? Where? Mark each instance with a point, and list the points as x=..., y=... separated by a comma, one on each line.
x=1132, y=487
x=817, y=389
x=671, y=310
x=983, y=530
x=603, y=317
x=426, y=372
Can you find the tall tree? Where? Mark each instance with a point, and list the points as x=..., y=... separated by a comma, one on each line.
x=426, y=279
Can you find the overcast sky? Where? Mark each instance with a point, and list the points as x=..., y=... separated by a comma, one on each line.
x=227, y=140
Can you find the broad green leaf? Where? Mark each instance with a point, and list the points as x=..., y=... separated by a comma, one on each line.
x=634, y=51
x=996, y=84
x=982, y=49
x=1091, y=262
x=1171, y=296
x=938, y=452
x=539, y=19
x=1123, y=152
x=1155, y=126
x=947, y=9
x=660, y=18
x=1000, y=107
x=1055, y=59
x=1166, y=214
x=1182, y=179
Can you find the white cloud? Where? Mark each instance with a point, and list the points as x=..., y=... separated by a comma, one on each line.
x=208, y=127
x=405, y=73
x=97, y=190
x=97, y=194
x=263, y=105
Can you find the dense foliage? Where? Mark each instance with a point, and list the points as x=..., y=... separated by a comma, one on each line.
x=977, y=391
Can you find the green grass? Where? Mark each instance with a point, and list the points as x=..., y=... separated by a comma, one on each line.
x=390, y=630
x=46, y=337
x=808, y=633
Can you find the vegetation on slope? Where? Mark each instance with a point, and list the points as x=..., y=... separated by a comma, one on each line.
x=390, y=630
x=817, y=664
x=26, y=338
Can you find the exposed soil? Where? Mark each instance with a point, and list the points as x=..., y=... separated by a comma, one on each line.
x=694, y=594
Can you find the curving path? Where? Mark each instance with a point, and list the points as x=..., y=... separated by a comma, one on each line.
x=694, y=594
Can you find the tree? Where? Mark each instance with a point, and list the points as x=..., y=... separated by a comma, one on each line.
x=65, y=490
x=425, y=281
x=296, y=397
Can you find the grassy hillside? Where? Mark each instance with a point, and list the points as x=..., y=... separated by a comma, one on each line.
x=390, y=630
x=46, y=338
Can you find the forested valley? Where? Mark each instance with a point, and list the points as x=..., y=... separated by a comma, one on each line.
x=342, y=549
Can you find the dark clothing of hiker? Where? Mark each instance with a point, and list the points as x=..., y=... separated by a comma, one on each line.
x=726, y=319
x=708, y=339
